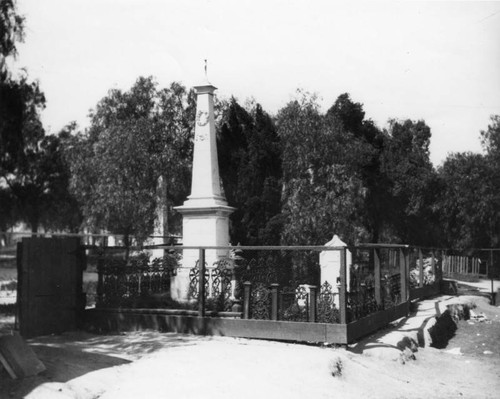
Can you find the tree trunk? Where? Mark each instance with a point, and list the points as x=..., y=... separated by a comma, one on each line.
x=34, y=225
x=126, y=242
x=161, y=222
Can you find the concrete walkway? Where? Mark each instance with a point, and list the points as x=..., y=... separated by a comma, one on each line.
x=406, y=335
x=483, y=285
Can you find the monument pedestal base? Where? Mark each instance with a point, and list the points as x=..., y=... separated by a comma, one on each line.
x=202, y=226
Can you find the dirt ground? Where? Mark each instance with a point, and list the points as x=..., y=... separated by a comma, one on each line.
x=150, y=364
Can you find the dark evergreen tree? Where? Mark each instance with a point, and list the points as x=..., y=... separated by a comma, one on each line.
x=250, y=169
x=465, y=202
x=411, y=177
x=365, y=162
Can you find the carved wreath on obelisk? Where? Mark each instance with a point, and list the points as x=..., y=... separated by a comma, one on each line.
x=202, y=118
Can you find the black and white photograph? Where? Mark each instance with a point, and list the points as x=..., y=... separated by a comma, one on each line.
x=249, y=199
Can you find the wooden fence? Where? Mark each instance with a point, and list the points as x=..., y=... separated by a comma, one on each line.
x=460, y=264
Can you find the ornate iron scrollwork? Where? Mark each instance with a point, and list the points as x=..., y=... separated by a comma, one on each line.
x=327, y=312
x=218, y=284
x=361, y=296
x=222, y=277
x=124, y=282
x=391, y=290
x=294, y=303
x=260, y=302
x=194, y=281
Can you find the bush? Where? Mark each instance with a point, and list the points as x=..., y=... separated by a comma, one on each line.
x=9, y=286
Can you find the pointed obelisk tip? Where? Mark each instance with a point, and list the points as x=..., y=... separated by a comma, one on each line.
x=205, y=80
x=205, y=84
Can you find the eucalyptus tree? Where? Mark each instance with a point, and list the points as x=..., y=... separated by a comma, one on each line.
x=467, y=201
x=136, y=139
x=33, y=178
x=321, y=194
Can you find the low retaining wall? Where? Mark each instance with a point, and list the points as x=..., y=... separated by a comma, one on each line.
x=376, y=321
x=425, y=291
x=187, y=322
x=137, y=319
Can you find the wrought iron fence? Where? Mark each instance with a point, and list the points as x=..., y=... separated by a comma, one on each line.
x=269, y=283
x=133, y=280
x=276, y=285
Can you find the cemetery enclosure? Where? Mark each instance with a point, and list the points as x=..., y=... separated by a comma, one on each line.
x=264, y=292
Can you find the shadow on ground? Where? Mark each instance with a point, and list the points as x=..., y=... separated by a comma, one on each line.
x=61, y=365
x=72, y=355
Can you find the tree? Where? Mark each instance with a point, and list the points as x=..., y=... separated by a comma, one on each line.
x=365, y=161
x=11, y=32
x=30, y=163
x=321, y=195
x=263, y=178
x=491, y=143
x=490, y=138
x=250, y=167
x=32, y=175
x=136, y=138
x=411, y=178
x=468, y=203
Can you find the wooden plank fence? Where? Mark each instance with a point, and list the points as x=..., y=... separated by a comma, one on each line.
x=460, y=264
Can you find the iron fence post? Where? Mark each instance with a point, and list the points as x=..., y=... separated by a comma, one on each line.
x=312, y=304
x=100, y=282
x=491, y=271
x=378, y=285
x=274, y=301
x=343, y=287
x=433, y=263
x=420, y=268
x=487, y=264
x=20, y=288
x=201, y=282
x=404, y=260
x=246, y=299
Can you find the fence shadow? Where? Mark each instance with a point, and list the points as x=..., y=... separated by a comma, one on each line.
x=75, y=354
x=375, y=340
x=62, y=365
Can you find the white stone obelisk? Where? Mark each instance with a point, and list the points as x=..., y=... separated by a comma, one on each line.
x=205, y=213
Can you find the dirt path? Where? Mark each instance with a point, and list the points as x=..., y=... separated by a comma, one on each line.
x=154, y=365
x=150, y=364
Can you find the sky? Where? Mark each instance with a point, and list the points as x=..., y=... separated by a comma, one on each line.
x=436, y=61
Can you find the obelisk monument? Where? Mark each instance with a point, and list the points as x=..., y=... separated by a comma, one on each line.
x=205, y=213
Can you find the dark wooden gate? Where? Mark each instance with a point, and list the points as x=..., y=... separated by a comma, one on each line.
x=50, y=285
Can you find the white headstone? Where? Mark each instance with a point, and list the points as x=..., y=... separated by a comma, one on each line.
x=330, y=265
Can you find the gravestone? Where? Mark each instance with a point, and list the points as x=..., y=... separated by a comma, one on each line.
x=18, y=358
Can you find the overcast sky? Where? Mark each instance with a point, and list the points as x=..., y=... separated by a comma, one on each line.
x=437, y=61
